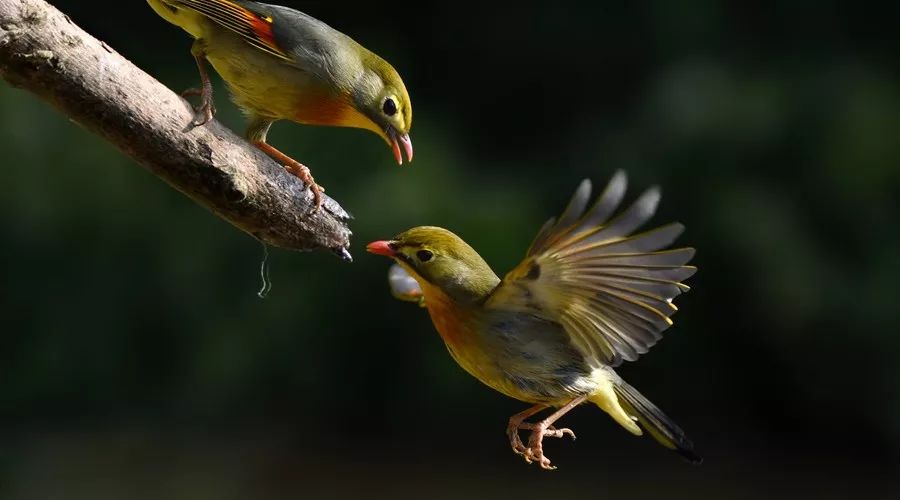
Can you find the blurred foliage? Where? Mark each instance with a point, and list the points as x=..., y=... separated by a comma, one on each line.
x=136, y=360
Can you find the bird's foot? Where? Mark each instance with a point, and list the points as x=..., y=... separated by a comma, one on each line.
x=550, y=431
x=205, y=112
x=302, y=172
x=293, y=167
x=537, y=455
x=535, y=450
x=515, y=441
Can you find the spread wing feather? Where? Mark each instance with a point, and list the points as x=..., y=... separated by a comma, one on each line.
x=610, y=289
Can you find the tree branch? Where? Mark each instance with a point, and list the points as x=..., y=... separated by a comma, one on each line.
x=44, y=52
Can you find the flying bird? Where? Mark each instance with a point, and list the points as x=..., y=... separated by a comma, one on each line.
x=281, y=64
x=590, y=294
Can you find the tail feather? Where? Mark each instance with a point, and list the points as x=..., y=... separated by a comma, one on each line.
x=655, y=422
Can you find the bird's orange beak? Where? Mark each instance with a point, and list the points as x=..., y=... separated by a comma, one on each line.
x=385, y=248
x=396, y=141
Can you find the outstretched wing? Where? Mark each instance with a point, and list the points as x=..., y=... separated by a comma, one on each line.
x=251, y=20
x=610, y=289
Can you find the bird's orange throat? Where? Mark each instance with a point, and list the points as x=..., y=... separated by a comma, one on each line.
x=449, y=318
x=328, y=109
x=454, y=322
x=323, y=109
x=458, y=326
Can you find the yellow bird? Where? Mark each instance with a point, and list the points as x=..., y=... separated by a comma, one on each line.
x=588, y=296
x=281, y=64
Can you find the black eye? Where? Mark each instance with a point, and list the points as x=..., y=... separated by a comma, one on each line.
x=424, y=255
x=390, y=107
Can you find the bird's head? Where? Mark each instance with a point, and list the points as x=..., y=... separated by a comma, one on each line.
x=381, y=97
x=435, y=257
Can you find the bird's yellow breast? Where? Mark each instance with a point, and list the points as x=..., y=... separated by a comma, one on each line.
x=464, y=333
x=454, y=323
x=460, y=329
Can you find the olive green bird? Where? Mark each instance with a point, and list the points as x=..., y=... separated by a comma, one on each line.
x=588, y=296
x=281, y=64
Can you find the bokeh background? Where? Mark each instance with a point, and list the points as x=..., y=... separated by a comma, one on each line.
x=136, y=360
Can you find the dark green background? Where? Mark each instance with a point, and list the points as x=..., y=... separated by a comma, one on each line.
x=137, y=362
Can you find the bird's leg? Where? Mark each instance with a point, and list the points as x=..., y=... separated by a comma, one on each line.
x=545, y=428
x=517, y=422
x=295, y=168
x=207, y=109
x=256, y=134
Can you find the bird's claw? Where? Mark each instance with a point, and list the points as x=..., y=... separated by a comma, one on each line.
x=515, y=441
x=534, y=452
x=302, y=172
x=205, y=112
x=558, y=433
x=532, y=455
x=317, y=191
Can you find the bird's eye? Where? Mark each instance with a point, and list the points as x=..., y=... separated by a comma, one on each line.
x=424, y=255
x=390, y=107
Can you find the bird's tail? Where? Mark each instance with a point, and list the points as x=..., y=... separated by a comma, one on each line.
x=654, y=421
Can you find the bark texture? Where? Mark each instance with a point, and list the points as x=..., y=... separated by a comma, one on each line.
x=44, y=52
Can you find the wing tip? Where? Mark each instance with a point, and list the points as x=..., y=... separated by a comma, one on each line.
x=585, y=184
x=691, y=269
x=618, y=181
x=653, y=196
x=581, y=196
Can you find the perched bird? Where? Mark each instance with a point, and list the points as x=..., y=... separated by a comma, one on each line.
x=281, y=64
x=588, y=296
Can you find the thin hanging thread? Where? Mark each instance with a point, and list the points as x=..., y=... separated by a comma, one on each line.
x=264, y=274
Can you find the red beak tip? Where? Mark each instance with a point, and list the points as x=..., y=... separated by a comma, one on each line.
x=408, y=147
x=398, y=150
x=398, y=155
x=380, y=248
